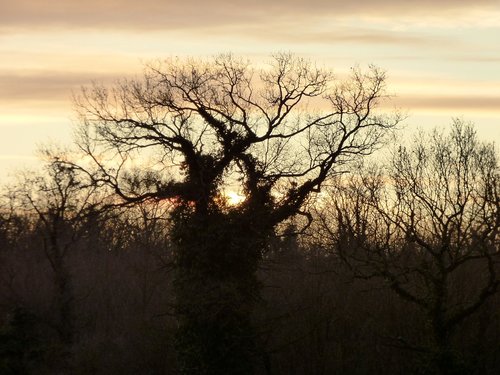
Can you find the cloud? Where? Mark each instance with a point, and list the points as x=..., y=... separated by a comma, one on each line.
x=177, y=14
x=459, y=103
x=50, y=88
x=46, y=85
x=308, y=34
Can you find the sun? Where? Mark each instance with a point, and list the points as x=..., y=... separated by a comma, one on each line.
x=234, y=198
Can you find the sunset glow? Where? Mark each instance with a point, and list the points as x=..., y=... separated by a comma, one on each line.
x=250, y=187
x=442, y=58
x=234, y=198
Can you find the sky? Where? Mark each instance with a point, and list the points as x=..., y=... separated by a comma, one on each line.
x=442, y=57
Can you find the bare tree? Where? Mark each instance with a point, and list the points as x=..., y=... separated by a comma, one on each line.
x=276, y=133
x=423, y=225
x=59, y=202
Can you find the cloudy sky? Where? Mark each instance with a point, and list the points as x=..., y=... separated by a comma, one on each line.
x=442, y=57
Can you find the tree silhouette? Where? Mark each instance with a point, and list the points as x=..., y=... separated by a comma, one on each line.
x=58, y=203
x=276, y=133
x=424, y=225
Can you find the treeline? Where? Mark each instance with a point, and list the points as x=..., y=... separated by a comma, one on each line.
x=392, y=270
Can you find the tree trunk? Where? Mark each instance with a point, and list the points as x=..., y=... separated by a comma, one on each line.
x=216, y=287
x=64, y=303
x=445, y=359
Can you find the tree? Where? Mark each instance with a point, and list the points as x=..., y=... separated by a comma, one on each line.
x=205, y=127
x=424, y=225
x=59, y=203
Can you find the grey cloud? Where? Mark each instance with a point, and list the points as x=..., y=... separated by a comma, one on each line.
x=457, y=103
x=53, y=86
x=341, y=35
x=175, y=14
x=45, y=86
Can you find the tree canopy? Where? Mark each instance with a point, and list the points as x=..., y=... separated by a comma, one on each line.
x=281, y=128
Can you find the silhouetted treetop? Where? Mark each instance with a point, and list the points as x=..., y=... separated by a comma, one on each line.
x=284, y=126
